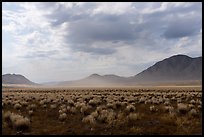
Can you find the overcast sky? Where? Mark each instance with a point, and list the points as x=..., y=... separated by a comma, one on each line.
x=69, y=41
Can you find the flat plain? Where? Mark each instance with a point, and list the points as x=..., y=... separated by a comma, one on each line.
x=161, y=110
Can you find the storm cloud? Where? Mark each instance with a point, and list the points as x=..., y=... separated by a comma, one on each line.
x=85, y=27
x=183, y=27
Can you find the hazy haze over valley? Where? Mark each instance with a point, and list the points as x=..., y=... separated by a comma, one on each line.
x=60, y=41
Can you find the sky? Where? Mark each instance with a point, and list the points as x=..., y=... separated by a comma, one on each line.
x=60, y=41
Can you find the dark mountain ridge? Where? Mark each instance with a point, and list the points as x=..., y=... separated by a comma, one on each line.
x=16, y=79
x=175, y=68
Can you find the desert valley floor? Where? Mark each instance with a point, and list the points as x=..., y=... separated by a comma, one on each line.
x=106, y=111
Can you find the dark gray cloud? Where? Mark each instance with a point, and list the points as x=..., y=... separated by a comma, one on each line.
x=182, y=27
x=93, y=50
x=92, y=30
x=132, y=28
x=176, y=21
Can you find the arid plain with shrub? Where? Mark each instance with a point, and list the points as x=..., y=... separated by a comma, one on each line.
x=102, y=111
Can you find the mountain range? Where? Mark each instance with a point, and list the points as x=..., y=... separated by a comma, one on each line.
x=16, y=79
x=177, y=68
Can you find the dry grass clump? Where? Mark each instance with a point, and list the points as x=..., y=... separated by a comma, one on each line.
x=142, y=100
x=193, y=112
x=24, y=103
x=73, y=110
x=93, y=102
x=153, y=108
x=17, y=121
x=21, y=123
x=85, y=109
x=182, y=108
x=53, y=106
x=167, y=102
x=134, y=116
x=190, y=106
x=106, y=116
x=193, y=102
x=33, y=107
x=70, y=102
x=30, y=112
x=102, y=116
x=17, y=106
x=63, y=117
x=89, y=120
x=111, y=117
x=6, y=115
x=95, y=114
x=169, y=109
x=200, y=107
x=111, y=105
x=130, y=108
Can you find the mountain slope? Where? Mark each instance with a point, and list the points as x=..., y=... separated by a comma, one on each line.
x=175, y=68
x=16, y=79
x=97, y=80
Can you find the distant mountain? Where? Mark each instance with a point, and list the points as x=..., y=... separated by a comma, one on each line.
x=97, y=80
x=108, y=78
x=16, y=79
x=175, y=68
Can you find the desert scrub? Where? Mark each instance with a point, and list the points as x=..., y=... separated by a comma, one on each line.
x=167, y=102
x=153, y=108
x=63, y=117
x=73, y=110
x=200, y=107
x=111, y=105
x=182, y=108
x=102, y=115
x=6, y=115
x=18, y=122
x=31, y=107
x=169, y=109
x=70, y=102
x=30, y=112
x=193, y=113
x=111, y=117
x=130, y=108
x=93, y=102
x=190, y=106
x=53, y=106
x=89, y=120
x=133, y=117
x=106, y=116
x=193, y=102
x=95, y=114
x=17, y=106
x=85, y=109
x=22, y=124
